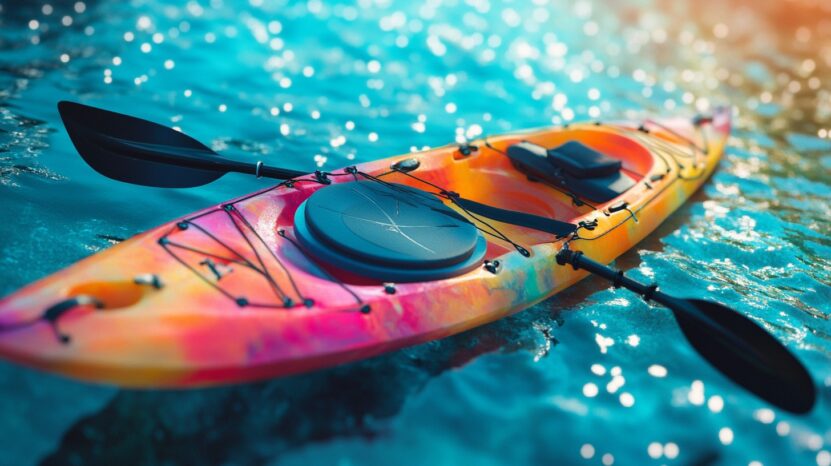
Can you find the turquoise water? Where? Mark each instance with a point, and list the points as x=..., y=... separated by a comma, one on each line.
x=592, y=376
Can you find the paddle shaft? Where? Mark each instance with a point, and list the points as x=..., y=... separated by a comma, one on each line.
x=650, y=293
x=579, y=261
x=226, y=165
x=196, y=158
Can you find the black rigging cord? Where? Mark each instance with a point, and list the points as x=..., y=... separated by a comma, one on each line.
x=287, y=302
x=246, y=231
x=452, y=197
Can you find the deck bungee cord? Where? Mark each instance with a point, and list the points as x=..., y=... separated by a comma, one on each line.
x=336, y=266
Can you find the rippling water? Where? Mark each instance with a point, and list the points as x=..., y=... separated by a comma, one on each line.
x=592, y=376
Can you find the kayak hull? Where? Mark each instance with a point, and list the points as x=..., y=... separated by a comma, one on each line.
x=182, y=305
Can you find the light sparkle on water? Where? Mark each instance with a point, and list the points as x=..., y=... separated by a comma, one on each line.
x=415, y=76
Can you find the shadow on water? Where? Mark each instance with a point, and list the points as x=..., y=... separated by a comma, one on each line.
x=265, y=419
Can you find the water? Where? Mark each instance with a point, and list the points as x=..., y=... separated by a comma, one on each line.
x=593, y=376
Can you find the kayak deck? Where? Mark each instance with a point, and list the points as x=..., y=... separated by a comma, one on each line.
x=227, y=294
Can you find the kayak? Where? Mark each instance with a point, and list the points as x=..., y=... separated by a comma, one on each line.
x=338, y=266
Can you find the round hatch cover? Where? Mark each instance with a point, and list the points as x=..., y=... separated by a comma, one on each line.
x=388, y=231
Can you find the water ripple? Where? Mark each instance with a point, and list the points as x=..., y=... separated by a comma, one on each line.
x=325, y=84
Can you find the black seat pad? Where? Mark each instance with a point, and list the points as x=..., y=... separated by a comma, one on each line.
x=573, y=167
x=581, y=161
x=387, y=231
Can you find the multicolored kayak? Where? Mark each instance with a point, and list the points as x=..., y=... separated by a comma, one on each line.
x=338, y=266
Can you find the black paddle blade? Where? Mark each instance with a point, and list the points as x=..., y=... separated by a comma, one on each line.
x=137, y=151
x=760, y=363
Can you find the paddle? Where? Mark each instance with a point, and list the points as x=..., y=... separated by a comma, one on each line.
x=137, y=151
x=732, y=343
